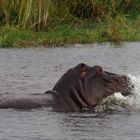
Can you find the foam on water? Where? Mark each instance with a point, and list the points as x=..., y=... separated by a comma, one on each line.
x=135, y=99
x=135, y=80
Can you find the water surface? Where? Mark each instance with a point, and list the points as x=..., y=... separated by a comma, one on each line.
x=36, y=70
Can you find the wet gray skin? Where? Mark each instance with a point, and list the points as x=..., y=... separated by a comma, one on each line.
x=80, y=87
x=86, y=86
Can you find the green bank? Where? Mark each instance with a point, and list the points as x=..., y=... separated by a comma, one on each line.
x=25, y=23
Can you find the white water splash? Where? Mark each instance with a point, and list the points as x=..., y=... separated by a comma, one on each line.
x=135, y=99
x=119, y=102
x=135, y=80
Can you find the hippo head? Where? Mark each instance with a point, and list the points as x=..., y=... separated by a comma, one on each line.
x=86, y=86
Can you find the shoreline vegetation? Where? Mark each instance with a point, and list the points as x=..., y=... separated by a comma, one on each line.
x=25, y=23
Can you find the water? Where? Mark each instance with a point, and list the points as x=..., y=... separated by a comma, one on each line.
x=35, y=70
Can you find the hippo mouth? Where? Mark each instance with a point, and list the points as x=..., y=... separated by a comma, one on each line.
x=120, y=83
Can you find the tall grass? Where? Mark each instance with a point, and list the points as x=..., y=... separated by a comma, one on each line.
x=25, y=13
x=97, y=10
x=40, y=14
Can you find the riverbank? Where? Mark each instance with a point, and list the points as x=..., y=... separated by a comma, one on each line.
x=116, y=31
x=52, y=23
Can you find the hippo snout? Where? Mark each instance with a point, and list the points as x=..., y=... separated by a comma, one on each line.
x=118, y=83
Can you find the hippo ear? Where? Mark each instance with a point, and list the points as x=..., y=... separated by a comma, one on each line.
x=98, y=70
x=83, y=70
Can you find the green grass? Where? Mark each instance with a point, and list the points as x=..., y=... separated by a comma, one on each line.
x=40, y=14
x=116, y=30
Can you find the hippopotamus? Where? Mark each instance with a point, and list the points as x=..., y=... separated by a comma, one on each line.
x=82, y=86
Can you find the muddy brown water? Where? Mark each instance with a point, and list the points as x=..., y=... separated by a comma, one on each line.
x=36, y=70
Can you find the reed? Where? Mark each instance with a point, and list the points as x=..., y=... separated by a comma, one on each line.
x=25, y=13
x=98, y=10
x=39, y=14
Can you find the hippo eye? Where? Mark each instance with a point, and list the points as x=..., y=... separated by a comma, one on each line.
x=99, y=70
